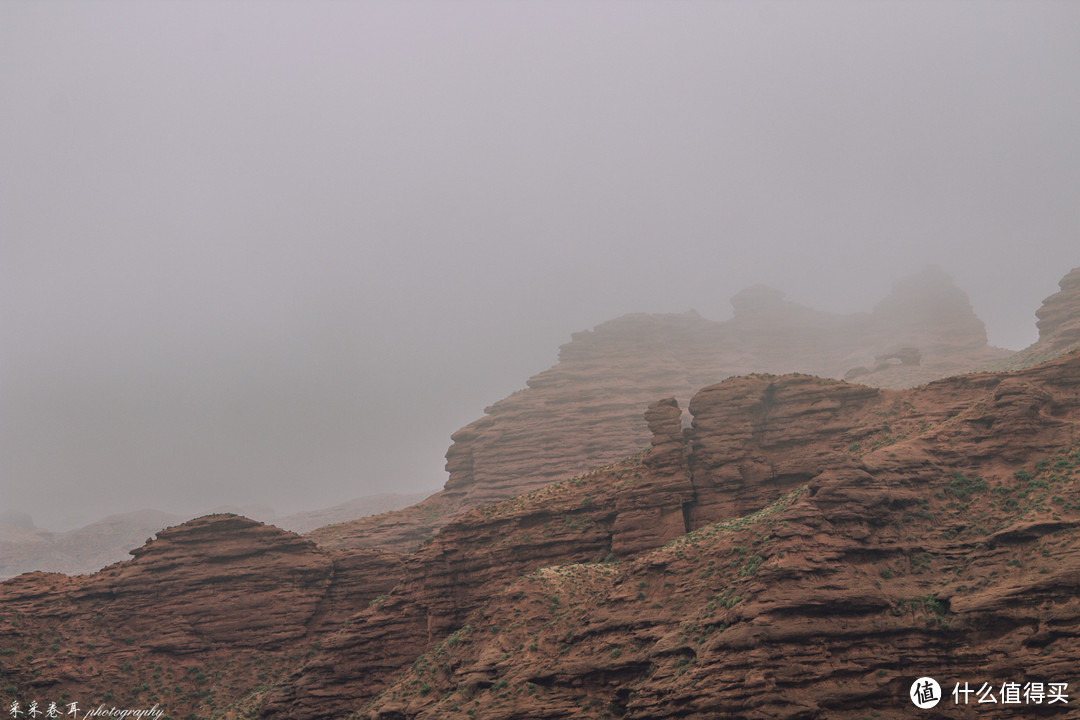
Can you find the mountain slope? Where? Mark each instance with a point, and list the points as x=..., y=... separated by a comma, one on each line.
x=586, y=410
x=793, y=487
x=952, y=552
x=806, y=548
x=803, y=550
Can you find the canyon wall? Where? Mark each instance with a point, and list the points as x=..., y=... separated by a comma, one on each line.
x=587, y=410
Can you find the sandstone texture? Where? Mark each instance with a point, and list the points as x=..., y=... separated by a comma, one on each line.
x=872, y=537
x=587, y=410
x=805, y=549
x=203, y=614
x=779, y=546
x=1059, y=321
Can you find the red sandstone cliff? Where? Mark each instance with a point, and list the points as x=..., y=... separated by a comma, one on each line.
x=204, y=613
x=805, y=549
x=587, y=410
x=844, y=540
x=841, y=538
x=1059, y=317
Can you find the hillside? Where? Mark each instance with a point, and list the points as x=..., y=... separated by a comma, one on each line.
x=586, y=410
x=805, y=549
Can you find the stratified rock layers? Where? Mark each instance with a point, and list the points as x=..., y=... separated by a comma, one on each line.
x=844, y=542
x=586, y=411
x=806, y=548
x=220, y=602
x=1059, y=317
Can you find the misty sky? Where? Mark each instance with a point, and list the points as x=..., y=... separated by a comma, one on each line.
x=278, y=251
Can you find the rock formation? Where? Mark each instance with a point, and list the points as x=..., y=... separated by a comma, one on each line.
x=1059, y=316
x=204, y=613
x=806, y=548
x=1059, y=326
x=845, y=541
x=587, y=410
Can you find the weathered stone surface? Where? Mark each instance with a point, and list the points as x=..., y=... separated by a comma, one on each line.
x=805, y=548
x=851, y=482
x=841, y=539
x=219, y=602
x=586, y=411
x=1059, y=327
x=1059, y=316
x=950, y=548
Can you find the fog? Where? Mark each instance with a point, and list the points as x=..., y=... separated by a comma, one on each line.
x=278, y=252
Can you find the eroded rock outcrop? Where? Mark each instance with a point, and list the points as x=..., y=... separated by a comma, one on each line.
x=203, y=614
x=1059, y=326
x=805, y=548
x=933, y=531
x=841, y=538
x=1059, y=317
x=586, y=411
x=847, y=474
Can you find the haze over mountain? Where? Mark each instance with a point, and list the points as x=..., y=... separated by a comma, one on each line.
x=26, y=548
x=276, y=257
x=586, y=410
x=279, y=252
x=807, y=548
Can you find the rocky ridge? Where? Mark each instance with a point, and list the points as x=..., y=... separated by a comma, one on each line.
x=586, y=410
x=203, y=613
x=833, y=538
x=862, y=539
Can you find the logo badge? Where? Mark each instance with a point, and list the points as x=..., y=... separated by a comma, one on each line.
x=925, y=692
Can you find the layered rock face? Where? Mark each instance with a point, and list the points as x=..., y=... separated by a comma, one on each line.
x=1059, y=326
x=1059, y=317
x=870, y=538
x=885, y=485
x=587, y=410
x=203, y=613
x=806, y=548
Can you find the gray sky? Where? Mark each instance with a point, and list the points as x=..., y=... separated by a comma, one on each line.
x=279, y=251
